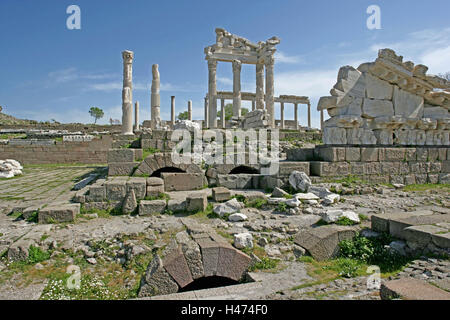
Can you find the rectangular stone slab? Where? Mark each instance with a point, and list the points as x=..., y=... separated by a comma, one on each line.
x=175, y=264
x=210, y=256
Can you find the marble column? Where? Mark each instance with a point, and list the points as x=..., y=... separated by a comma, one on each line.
x=172, y=110
x=222, y=113
x=296, y=115
x=270, y=91
x=205, y=123
x=136, y=116
x=190, y=110
x=321, y=120
x=253, y=105
x=127, y=93
x=237, y=65
x=212, y=92
x=155, y=98
x=259, y=86
x=282, y=114
x=309, y=115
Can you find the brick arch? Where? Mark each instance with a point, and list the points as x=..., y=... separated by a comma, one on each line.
x=189, y=259
x=160, y=161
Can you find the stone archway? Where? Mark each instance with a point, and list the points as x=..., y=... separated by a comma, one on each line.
x=188, y=258
x=244, y=169
x=159, y=161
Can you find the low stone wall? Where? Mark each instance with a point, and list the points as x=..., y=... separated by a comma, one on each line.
x=88, y=152
x=378, y=164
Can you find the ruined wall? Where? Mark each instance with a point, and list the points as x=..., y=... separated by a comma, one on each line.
x=89, y=152
x=387, y=102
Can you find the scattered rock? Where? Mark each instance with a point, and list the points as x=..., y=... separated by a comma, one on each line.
x=91, y=260
x=237, y=217
x=299, y=181
x=278, y=193
x=229, y=207
x=243, y=240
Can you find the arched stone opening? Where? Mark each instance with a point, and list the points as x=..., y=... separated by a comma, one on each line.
x=208, y=283
x=244, y=170
x=158, y=172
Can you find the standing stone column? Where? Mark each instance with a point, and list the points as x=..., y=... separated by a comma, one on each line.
x=259, y=86
x=155, y=98
x=212, y=92
x=190, y=110
x=309, y=115
x=237, y=65
x=321, y=120
x=222, y=113
x=282, y=114
x=253, y=105
x=172, y=110
x=270, y=90
x=136, y=116
x=206, y=124
x=296, y=115
x=127, y=93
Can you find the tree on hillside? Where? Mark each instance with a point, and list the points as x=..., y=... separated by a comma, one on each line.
x=183, y=115
x=96, y=113
x=445, y=75
x=229, y=111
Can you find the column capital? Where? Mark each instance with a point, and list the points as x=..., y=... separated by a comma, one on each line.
x=127, y=56
x=237, y=65
x=269, y=60
x=212, y=64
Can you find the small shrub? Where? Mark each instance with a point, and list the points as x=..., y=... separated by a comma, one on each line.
x=264, y=264
x=344, y=221
x=36, y=255
x=282, y=207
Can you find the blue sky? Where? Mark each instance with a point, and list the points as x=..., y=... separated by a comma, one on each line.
x=50, y=72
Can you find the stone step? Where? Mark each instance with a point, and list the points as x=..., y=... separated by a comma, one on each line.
x=412, y=289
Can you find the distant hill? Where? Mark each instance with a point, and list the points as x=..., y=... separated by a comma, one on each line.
x=10, y=120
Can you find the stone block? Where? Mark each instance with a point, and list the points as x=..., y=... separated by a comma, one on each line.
x=271, y=182
x=157, y=280
x=441, y=240
x=155, y=181
x=406, y=104
x=369, y=154
x=444, y=178
x=421, y=178
x=97, y=193
x=433, y=178
x=121, y=168
x=377, y=108
x=324, y=169
x=196, y=202
x=445, y=168
x=59, y=213
x=183, y=181
x=286, y=167
x=421, y=235
x=323, y=242
x=151, y=207
x=331, y=154
x=352, y=154
x=389, y=167
x=154, y=191
x=377, y=88
x=116, y=190
x=221, y=194
x=232, y=263
x=192, y=254
x=176, y=205
x=210, y=255
x=121, y=155
x=138, y=185
x=300, y=154
x=175, y=264
x=357, y=168
x=394, y=154
x=411, y=289
x=238, y=181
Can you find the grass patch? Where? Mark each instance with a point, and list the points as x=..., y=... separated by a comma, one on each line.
x=255, y=203
x=344, y=221
x=427, y=186
x=148, y=151
x=266, y=263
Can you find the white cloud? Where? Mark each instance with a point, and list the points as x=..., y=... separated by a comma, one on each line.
x=280, y=57
x=312, y=83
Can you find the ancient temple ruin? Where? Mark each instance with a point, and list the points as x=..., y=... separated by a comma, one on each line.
x=238, y=50
x=387, y=102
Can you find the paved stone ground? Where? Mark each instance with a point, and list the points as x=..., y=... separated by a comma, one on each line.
x=40, y=184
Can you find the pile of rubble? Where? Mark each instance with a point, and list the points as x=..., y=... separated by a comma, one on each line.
x=387, y=102
x=10, y=168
